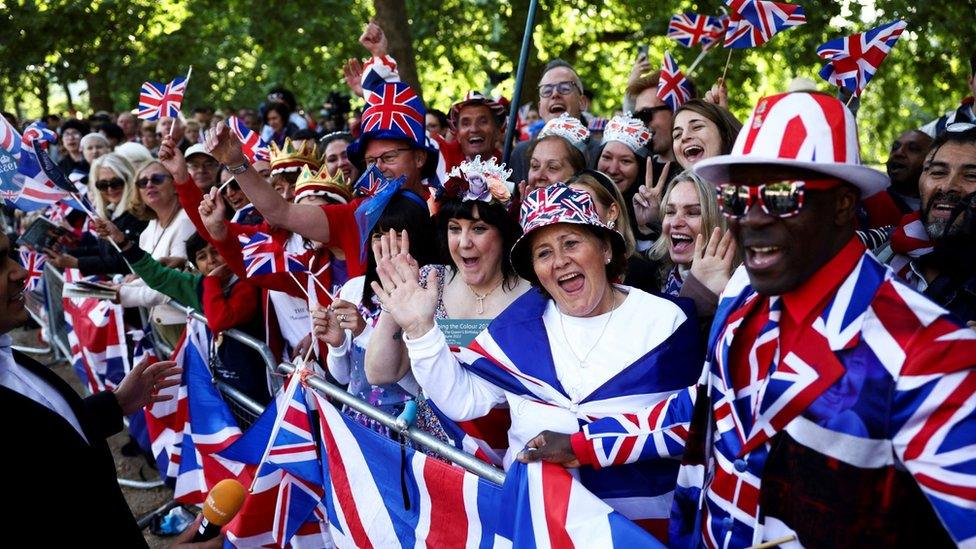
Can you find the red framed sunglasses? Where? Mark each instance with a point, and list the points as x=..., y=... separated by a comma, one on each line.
x=778, y=199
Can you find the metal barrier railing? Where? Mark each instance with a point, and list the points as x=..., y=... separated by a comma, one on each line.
x=450, y=453
x=246, y=409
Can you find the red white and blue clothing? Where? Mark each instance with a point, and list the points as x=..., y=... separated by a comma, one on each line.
x=831, y=413
x=646, y=353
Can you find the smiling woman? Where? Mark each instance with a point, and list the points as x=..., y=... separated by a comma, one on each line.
x=702, y=130
x=581, y=342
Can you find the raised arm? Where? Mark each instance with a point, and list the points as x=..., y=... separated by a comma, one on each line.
x=306, y=220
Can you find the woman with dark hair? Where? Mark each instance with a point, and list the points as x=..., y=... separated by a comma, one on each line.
x=477, y=280
x=623, y=157
x=276, y=117
x=702, y=130
x=348, y=325
x=575, y=348
x=334, y=157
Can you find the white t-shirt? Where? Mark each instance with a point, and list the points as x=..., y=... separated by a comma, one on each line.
x=294, y=320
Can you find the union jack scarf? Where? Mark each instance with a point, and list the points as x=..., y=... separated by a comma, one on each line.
x=909, y=242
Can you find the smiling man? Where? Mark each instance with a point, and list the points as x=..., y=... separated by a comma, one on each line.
x=835, y=404
x=936, y=247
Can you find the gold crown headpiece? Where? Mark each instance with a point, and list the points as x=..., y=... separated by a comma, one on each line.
x=291, y=158
x=320, y=183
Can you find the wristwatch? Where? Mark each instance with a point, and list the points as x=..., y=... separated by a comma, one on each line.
x=238, y=169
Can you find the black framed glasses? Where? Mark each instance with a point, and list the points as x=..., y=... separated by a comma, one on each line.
x=646, y=114
x=106, y=184
x=156, y=179
x=562, y=88
x=779, y=199
x=386, y=158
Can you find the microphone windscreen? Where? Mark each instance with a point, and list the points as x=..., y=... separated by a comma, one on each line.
x=223, y=502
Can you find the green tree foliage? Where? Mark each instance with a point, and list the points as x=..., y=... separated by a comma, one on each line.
x=240, y=49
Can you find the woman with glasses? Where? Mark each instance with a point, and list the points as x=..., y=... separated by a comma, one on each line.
x=112, y=188
x=164, y=238
x=696, y=252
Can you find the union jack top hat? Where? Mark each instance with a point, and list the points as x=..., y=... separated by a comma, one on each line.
x=554, y=204
x=805, y=130
x=394, y=111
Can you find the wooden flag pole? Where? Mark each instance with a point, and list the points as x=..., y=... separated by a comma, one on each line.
x=186, y=83
x=727, y=61
x=694, y=64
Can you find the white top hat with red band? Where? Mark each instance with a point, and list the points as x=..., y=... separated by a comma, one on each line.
x=811, y=131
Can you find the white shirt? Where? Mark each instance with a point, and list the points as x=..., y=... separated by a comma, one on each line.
x=638, y=325
x=159, y=242
x=21, y=380
x=294, y=320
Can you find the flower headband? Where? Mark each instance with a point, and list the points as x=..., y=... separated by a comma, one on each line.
x=479, y=180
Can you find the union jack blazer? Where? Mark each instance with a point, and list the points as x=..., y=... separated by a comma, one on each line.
x=864, y=433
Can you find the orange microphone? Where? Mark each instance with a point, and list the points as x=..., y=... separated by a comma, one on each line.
x=223, y=502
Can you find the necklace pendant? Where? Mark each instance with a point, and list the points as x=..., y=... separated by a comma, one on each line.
x=582, y=364
x=481, y=305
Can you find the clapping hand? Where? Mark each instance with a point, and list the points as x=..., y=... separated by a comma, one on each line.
x=212, y=211
x=352, y=71
x=647, y=199
x=399, y=290
x=712, y=265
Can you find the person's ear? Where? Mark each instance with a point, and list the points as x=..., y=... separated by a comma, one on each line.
x=613, y=212
x=584, y=102
x=419, y=158
x=846, y=199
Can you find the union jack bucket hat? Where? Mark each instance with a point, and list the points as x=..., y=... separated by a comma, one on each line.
x=812, y=131
x=554, y=204
x=394, y=111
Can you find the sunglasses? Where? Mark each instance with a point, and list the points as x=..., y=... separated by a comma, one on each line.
x=106, y=184
x=230, y=185
x=780, y=199
x=646, y=114
x=156, y=179
x=563, y=88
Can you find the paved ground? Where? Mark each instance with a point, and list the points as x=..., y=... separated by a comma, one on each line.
x=134, y=468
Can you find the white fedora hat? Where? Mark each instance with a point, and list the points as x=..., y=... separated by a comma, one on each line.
x=805, y=130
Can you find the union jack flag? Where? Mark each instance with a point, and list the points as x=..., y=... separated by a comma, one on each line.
x=395, y=107
x=673, y=88
x=157, y=99
x=252, y=145
x=284, y=503
x=33, y=262
x=853, y=60
x=9, y=138
x=753, y=22
x=690, y=29
x=262, y=255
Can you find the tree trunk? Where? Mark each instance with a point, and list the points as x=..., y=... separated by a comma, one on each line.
x=67, y=94
x=44, y=93
x=99, y=95
x=391, y=16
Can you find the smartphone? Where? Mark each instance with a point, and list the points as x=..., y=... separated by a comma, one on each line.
x=642, y=51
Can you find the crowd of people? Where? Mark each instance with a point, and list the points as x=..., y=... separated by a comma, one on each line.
x=733, y=333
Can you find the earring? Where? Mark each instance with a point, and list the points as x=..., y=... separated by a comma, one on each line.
x=606, y=261
x=612, y=223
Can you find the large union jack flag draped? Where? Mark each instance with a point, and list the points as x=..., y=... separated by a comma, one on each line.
x=252, y=145
x=753, y=22
x=157, y=99
x=394, y=107
x=853, y=60
x=690, y=29
x=262, y=255
x=673, y=88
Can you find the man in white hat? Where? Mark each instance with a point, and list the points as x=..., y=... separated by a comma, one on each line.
x=203, y=167
x=836, y=404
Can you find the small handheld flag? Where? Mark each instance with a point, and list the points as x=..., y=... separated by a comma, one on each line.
x=853, y=60
x=157, y=99
x=673, y=88
x=753, y=22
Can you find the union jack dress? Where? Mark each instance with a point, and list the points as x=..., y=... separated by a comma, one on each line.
x=861, y=436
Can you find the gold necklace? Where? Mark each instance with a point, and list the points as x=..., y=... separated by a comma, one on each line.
x=481, y=298
x=582, y=361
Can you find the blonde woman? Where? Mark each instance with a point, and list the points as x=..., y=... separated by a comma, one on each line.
x=112, y=190
x=696, y=252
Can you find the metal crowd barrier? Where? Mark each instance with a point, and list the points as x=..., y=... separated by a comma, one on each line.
x=449, y=453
